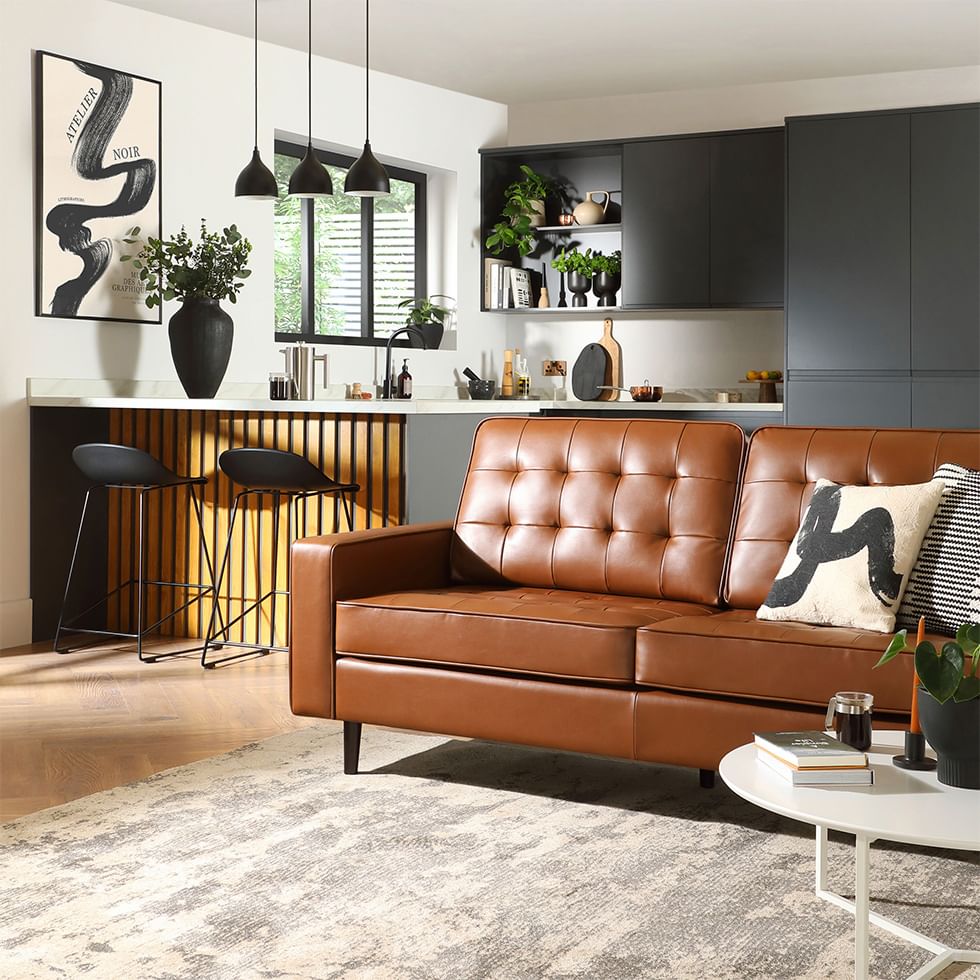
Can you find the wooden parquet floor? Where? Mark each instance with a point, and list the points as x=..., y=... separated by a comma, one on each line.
x=93, y=719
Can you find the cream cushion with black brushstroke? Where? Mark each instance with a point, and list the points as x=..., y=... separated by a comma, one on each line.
x=944, y=585
x=851, y=557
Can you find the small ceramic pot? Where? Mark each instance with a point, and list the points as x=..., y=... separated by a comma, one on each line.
x=578, y=286
x=537, y=218
x=605, y=287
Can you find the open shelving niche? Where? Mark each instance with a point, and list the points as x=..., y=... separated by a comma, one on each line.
x=578, y=169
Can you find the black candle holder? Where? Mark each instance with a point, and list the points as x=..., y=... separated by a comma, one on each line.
x=915, y=754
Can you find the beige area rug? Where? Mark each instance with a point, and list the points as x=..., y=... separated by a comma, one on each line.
x=444, y=859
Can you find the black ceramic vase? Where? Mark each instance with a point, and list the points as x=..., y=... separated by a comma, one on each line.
x=605, y=287
x=578, y=286
x=200, y=344
x=953, y=730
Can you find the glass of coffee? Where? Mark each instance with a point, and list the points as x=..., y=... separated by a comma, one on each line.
x=849, y=714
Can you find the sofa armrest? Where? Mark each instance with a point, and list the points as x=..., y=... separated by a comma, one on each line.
x=350, y=566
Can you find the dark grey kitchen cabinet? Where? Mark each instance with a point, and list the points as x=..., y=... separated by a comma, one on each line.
x=847, y=244
x=873, y=402
x=666, y=223
x=946, y=403
x=747, y=219
x=945, y=222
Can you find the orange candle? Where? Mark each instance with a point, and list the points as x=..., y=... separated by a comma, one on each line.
x=920, y=636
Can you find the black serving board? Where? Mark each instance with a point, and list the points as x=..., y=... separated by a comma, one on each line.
x=590, y=370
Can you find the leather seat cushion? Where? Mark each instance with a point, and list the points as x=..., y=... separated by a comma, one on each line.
x=734, y=654
x=527, y=630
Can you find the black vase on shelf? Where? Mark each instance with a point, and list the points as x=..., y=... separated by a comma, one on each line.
x=953, y=730
x=578, y=286
x=605, y=286
x=201, y=335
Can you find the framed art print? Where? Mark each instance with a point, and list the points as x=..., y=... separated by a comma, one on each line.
x=97, y=158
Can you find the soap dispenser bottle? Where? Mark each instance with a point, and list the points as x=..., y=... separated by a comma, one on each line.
x=405, y=382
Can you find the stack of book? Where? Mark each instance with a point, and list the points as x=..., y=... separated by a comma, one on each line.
x=813, y=759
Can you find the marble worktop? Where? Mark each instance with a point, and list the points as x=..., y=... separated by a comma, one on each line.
x=245, y=397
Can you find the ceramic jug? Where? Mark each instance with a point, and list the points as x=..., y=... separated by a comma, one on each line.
x=590, y=212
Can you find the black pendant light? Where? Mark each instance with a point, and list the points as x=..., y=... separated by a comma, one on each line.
x=367, y=178
x=257, y=180
x=310, y=178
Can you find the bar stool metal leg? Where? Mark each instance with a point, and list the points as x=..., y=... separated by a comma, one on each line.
x=210, y=635
x=71, y=572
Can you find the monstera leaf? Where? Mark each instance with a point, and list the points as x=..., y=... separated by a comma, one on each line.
x=940, y=675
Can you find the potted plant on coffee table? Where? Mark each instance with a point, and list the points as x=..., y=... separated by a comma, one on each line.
x=199, y=275
x=578, y=267
x=949, y=702
x=523, y=211
x=606, y=276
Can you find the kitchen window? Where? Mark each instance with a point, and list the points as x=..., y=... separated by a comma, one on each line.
x=344, y=263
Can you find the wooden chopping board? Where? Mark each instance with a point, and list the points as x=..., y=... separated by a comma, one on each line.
x=591, y=369
x=615, y=352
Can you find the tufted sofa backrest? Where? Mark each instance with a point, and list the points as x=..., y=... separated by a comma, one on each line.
x=629, y=507
x=782, y=466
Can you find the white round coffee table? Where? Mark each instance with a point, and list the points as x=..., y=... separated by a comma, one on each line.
x=909, y=807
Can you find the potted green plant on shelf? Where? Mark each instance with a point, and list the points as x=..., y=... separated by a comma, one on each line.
x=606, y=278
x=949, y=701
x=200, y=276
x=523, y=211
x=578, y=268
x=430, y=316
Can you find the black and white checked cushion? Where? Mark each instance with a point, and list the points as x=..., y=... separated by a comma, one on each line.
x=944, y=585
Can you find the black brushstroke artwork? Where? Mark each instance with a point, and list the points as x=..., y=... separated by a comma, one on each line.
x=68, y=221
x=818, y=543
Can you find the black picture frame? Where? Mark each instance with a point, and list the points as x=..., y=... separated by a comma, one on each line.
x=101, y=289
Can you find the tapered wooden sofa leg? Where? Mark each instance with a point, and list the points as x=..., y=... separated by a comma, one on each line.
x=707, y=778
x=352, y=746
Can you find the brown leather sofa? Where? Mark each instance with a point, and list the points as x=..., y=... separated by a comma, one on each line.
x=597, y=592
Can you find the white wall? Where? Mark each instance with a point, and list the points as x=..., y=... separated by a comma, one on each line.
x=704, y=350
x=207, y=139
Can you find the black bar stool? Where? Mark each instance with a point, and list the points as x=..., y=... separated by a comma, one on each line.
x=275, y=473
x=110, y=466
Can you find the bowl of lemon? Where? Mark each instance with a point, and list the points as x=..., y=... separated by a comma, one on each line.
x=767, y=384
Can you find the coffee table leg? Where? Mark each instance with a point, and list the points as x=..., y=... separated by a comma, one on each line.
x=862, y=860
x=942, y=955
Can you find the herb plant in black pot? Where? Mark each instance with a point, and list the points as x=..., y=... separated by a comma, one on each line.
x=200, y=276
x=578, y=268
x=606, y=276
x=949, y=702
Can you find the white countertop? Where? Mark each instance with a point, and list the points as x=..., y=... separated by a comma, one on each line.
x=232, y=397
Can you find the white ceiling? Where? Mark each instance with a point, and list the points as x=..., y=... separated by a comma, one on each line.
x=514, y=51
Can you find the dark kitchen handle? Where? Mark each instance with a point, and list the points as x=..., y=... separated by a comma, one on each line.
x=469, y=374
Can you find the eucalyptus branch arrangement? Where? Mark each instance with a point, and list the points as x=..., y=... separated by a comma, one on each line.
x=177, y=268
x=942, y=672
x=514, y=229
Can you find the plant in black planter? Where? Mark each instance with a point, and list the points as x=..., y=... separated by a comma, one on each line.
x=578, y=267
x=200, y=276
x=949, y=702
x=523, y=211
x=429, y=316
x=606, y=276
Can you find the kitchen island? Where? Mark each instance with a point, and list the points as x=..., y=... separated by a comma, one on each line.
x=409, y=458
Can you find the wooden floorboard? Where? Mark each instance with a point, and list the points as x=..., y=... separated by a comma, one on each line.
x=78, y=723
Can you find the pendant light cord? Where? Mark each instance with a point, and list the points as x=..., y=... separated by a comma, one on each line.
x=367, y=69
x=256, y=72
x=309, y=73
